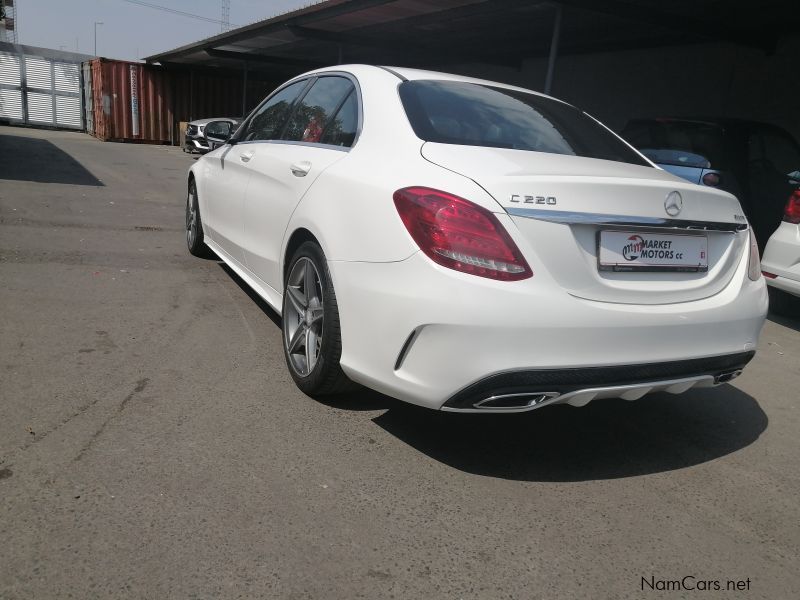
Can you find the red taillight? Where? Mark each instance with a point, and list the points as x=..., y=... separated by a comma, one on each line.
x=460, y=235
x=792, y=211
x=711, y=179
x=768, y=275
x=754, y=260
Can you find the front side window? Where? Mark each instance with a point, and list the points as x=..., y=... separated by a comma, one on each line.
x=313, y=113
x=270, y=118
x=455, y=112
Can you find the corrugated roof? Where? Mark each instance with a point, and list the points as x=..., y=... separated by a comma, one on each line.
x=439, y=32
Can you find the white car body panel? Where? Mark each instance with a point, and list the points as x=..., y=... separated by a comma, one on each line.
x=421, y=332
x=223, y=189
x=468, y=328
x=273, y=193
x=782, y=258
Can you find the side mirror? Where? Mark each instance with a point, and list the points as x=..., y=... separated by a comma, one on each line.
x=217, y=133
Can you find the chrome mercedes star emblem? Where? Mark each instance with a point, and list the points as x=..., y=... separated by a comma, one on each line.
x=673, y=204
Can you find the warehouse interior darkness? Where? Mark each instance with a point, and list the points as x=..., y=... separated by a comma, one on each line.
x=617, y=60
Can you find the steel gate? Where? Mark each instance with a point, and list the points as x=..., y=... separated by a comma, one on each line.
x=40, y=87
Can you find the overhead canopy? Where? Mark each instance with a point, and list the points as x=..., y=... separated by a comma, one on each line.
x=441, y=32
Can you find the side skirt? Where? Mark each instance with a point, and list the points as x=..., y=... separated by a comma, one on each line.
x=270, y=295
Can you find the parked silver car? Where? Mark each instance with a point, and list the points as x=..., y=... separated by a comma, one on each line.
x=195, y=140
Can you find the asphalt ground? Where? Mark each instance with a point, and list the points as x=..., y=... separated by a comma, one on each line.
x=153, y=445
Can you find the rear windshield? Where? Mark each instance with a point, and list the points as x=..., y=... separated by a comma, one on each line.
x=684, y=143
x=470, y=114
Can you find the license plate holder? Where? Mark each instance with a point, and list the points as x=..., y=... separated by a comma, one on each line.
x=647, y=251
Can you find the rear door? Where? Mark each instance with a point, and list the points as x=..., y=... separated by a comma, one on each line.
x=228, y=172
x=319, y=132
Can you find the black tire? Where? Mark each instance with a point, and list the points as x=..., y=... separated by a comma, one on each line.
x=194, y=225
x=783, y=303
x=326, y=376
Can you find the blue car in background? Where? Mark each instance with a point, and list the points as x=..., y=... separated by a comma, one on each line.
x=756, y=162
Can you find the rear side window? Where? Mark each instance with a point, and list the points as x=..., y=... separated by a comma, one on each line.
x=341, y=129
x=269, y=119
x=682, y=143
x=472, y=114
x=314, y=111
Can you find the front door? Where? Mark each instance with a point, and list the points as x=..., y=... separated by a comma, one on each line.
x=222, y=197
x=319, y=133
x=229, y=170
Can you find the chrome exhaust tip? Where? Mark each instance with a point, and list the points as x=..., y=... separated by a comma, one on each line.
x=727, y=376
x=511, y=402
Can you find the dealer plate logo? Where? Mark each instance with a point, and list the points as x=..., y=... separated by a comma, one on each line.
x=673, y=204
x=633, y=249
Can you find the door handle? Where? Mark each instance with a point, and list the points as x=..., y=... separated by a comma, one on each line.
x=301, y=169
x=246, y=156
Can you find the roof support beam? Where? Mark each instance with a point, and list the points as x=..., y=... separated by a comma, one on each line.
x=422, y=53
x=320, y=35
x=260, y=58
x=551, y=61
x=304, y=16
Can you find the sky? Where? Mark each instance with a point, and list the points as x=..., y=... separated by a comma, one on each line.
x=129, y=31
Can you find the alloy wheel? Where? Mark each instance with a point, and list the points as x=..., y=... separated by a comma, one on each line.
x=191, y=218
x=303, y=316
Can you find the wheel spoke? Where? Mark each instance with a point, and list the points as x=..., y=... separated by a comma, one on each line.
x=316, y=315
x=309, y=283
x=297, y=299
x=298, y=338
x=311, y=347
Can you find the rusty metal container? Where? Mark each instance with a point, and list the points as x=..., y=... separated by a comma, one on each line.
x=135, y=102
x=131, y=102
x=202, y=94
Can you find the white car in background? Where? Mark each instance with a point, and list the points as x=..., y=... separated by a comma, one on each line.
x=781, y=264
x=195, y=140
x=471, y=246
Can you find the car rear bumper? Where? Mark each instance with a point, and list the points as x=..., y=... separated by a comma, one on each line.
x=784, y=283
x=519, y=391
x=425, y=334
x=782, y=258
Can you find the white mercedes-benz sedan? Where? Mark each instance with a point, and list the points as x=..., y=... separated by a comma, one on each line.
x=472, y=246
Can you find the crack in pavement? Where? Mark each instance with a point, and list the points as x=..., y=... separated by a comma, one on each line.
x=140, y=385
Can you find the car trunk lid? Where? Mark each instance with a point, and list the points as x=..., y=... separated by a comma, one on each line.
x=561, y=204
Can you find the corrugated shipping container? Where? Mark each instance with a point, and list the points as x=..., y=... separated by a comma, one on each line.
x=135, y=102
x=202, y=95
x=131, y=102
